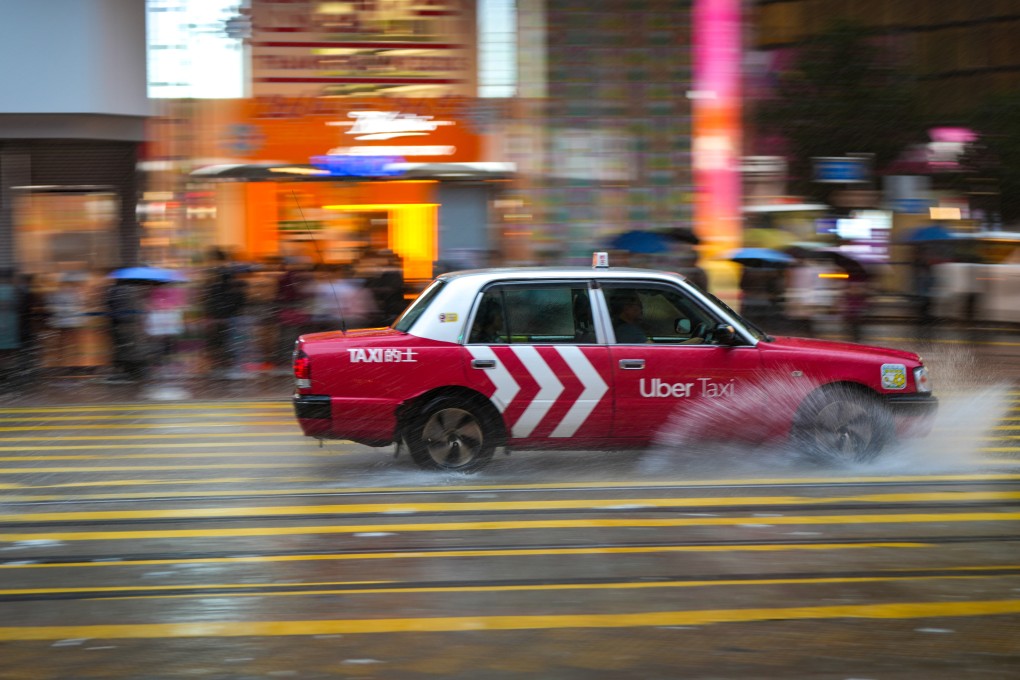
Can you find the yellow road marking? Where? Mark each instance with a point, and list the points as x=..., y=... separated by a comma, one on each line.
x=893, y=610
x=504, y=525
x=210, y=406
x=130, y=468
x=172, y=456
x=147, y=416
x=504, y=552
x=141, y=438
x=503, y=506
x=147, y=426
x=489, y=487
x=146, y=482
x=308, y=443
x=203, y=586
x=736, y=481
x=173, y=591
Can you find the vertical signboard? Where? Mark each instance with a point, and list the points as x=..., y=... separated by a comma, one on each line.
x=716, y=139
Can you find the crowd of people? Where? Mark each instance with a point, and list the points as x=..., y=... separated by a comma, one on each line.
x=233, y=319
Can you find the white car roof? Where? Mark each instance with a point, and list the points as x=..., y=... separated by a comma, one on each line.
x=447, y=315
x=485, y=276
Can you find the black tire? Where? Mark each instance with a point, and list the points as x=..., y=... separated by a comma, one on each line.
x=841, y=425
x=451, y=435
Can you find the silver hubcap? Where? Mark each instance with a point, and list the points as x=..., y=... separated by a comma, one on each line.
x=844, y=428
x=453, y=437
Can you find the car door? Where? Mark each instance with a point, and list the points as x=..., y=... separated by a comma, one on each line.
x=535, y=352
x=665, y=360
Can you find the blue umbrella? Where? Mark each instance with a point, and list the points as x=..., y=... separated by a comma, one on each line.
x=760, y=257
x=933, y=232
x=149, y=274
x=637, y=241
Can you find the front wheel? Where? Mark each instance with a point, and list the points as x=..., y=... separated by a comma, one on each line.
x=451, y=434
x=840, y=425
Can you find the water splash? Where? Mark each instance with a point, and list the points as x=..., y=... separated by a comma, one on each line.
x=694, y=442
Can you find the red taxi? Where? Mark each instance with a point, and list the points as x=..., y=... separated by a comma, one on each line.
x=595, y=358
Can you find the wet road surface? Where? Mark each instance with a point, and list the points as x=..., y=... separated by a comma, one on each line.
x=209, y=539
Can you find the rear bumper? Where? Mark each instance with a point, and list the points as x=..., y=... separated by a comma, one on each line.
x=914, y=413
x=366, y=421
x=312, y=407
x=314, y=414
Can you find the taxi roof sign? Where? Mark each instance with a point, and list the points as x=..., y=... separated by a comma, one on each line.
x=600, y=260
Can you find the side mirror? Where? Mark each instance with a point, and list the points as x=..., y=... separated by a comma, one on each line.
x=724, y=334
x=682, y=326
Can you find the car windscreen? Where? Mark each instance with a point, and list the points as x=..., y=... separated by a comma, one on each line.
x=418, y=307
x=757, y=332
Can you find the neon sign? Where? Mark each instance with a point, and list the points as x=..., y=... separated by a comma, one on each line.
x=380, y=125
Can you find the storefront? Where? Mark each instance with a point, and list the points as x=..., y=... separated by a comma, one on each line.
x=324, y=180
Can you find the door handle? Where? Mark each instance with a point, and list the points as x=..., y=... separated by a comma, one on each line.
x=632, y=364
x=483, y=363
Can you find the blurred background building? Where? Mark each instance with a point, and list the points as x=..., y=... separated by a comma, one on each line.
x=73, y=112
x=463, y=132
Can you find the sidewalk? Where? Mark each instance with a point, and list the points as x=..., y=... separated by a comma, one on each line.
x=997, y=344
x=84, y=388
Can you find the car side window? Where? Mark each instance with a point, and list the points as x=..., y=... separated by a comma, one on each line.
x=536, y=314
x=490, y=320
x=658, y=315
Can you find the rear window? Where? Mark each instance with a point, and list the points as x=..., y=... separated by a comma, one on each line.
x=418, y=307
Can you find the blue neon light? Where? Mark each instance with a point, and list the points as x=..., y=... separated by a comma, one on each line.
x=358, y=166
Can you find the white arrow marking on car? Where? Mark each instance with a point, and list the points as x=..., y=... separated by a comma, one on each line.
x=549, y=389
x=594, y=388
x=506, y=387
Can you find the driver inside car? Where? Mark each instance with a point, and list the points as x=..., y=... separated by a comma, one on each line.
x=627, y=312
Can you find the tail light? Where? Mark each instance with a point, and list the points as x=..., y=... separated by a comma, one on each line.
x=302, y=369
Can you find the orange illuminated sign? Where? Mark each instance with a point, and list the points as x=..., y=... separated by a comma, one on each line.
x=296, y=130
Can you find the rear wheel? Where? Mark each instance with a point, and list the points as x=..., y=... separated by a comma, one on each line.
x=451, y=434
x=841, y=425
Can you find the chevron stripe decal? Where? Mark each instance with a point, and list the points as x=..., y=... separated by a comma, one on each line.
x=506, y=387
x=549, y=388
x=594, y=389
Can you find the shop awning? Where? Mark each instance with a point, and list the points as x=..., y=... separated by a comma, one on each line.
x=261, y=172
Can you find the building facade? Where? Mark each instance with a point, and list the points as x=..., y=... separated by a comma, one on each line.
x=72, y=120
x=952, y=47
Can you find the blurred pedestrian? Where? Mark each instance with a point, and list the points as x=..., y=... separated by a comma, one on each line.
x=341, y=301
x=386, y=284
x=687, y=264
x=762, y=292
x=67, y=309
x=223, y=300
x=856, y=296
x=125, y=314
x=164, y=324
x=293, y=308
x=922, y=269
x=32, y=318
